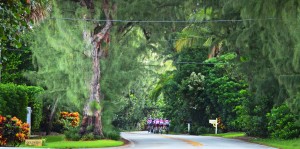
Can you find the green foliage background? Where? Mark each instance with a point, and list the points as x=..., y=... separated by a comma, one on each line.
x=14, y=53
x=15, y=98
x=282, y=123
x=161, y=69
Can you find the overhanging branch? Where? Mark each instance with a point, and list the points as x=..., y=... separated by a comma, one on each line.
x=99, y=36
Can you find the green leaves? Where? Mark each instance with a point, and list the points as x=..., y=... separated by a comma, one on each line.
x=13, y=22
x=95, y=106
x=282, y=123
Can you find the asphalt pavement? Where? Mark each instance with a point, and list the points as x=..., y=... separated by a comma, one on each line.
x=145, y=140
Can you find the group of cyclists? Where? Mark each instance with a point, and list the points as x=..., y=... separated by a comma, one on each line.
x=156, y=125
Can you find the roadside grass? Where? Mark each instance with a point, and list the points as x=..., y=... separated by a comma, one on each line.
x=277, y=143
x=58, y=141
x=282, y=144
x=228, y=135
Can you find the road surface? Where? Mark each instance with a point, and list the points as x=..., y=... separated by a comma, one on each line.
x=145, y=140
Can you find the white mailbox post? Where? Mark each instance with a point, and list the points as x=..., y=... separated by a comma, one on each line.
x=215, y=124
x=189, y=128
x=28, y=120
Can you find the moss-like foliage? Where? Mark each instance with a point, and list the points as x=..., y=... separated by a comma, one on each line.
x=61, y=57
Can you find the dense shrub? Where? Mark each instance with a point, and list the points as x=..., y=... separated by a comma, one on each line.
x=72, y=134
x=36, y=105
x=57, y=126
x=253, y=116
x=177, y=128
x=2, y=104
x=88, y=137
x=70, y=122
x=12, y=131
x=205, y=130
x=114, y=135
x=15, y=98
x=282, y=123
x=70, y=119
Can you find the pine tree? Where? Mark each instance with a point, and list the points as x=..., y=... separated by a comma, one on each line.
x=266, y=41
x=76, y=40
x=275, y=47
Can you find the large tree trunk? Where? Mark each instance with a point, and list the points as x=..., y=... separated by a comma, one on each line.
x=92, y=114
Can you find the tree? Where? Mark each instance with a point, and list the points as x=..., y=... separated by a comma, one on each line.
x=89, y=43
x=15, y=56
x=267, y=58
x=13, y=25
x=92, y=115
x=276, y=47
x=225, y=88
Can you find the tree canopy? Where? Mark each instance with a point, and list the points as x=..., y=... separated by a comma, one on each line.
x=191, y=60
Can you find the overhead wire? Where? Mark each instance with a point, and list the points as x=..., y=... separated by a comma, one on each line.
x=161, y=21
x=165, y=21
x=201, y=63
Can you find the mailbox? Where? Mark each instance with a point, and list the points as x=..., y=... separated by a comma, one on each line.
x=214, y=122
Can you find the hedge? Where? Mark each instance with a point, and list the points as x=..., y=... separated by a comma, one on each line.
x=15, y=98
x=36, y=105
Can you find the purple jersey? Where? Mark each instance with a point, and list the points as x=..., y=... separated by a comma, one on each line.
x=167, y=122
x=156, y=121
x=161, y=121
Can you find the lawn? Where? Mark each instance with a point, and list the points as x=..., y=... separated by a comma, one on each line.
x=58, y=141
x=228, y=135
x=282, y=144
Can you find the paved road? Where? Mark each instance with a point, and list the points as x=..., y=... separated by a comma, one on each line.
x=143, y=140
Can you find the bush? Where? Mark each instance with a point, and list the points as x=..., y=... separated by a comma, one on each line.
x=15, y=98
x=70, y=119
x=282, y=123
x=36, y=104
x=12, y=131
x=87, y=137
x=113, y=135
x=253, y=116
x=259, y=128
x=72, y=134
x=70, y=123
x=203, y=130
x=58, y=126
x=178, y=128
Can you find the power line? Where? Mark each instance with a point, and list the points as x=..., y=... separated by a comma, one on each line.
x=10, y=49
x=201, y=63
x=165, y=21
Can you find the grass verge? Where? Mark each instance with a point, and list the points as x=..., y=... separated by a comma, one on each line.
x=228, y=135
x=59, y=142
x=282, y=144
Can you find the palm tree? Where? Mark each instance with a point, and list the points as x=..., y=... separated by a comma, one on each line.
x=39, y=10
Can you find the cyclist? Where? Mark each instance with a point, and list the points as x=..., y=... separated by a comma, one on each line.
x=167, y=125
x=149, y=124
x=161, y=125
x=156, y=125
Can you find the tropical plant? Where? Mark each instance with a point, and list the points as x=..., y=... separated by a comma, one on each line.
x=12, y=131
x=70, y=122
x=70, y=119
x=281, y=123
